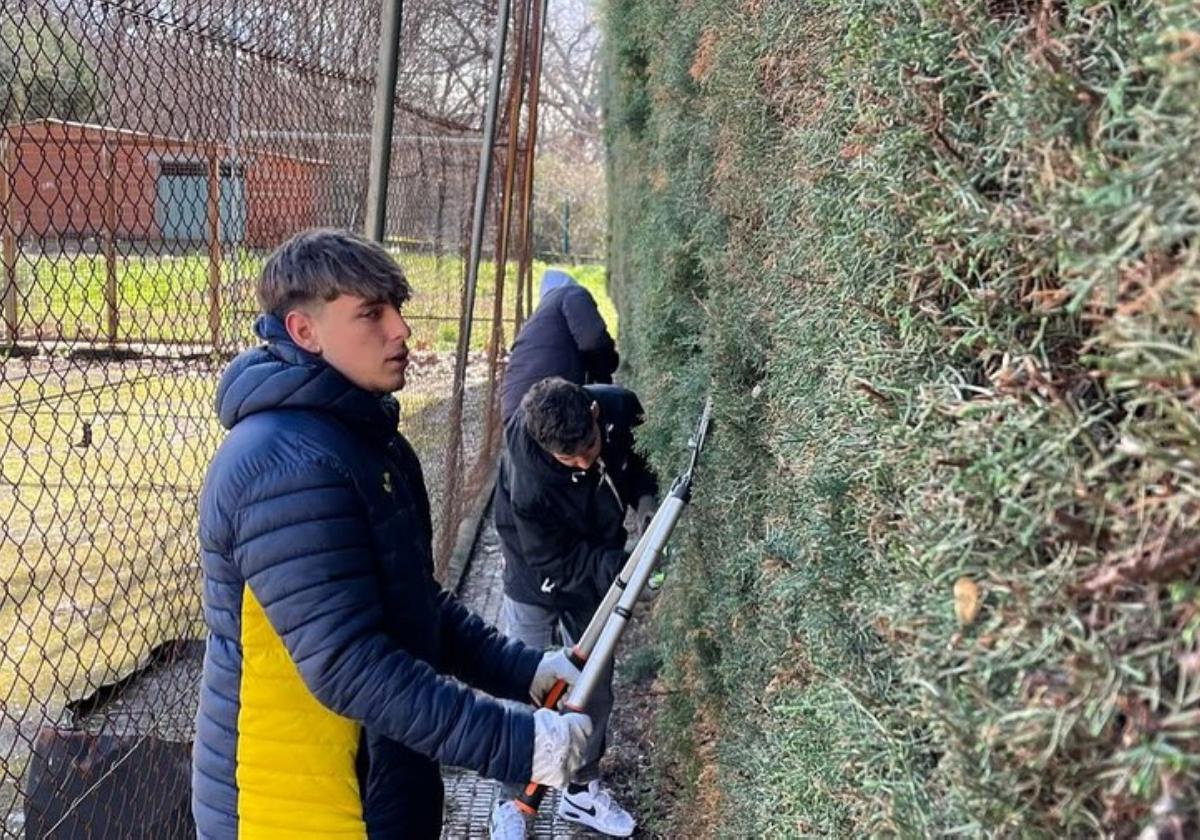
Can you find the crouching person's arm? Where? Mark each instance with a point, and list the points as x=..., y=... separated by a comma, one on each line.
x=304, y=550
x=590, y=334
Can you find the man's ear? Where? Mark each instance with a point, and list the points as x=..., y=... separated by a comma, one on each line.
x=302, y=328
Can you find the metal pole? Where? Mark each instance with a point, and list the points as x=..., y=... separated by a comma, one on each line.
x=108, y=167
x=525, y=258
x=516, y=96
x=234, y=287
x=566, y=238
x=385, y=111
x=604, y=635
x=8, y=234
x=605, y=645
x=455, y=469
x=481, y=196
x=214, y=247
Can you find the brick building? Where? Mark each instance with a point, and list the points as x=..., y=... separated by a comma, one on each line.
x=64, y=176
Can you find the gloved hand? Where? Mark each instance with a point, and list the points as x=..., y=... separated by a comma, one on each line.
x=558, y=742
x=647, y=506
x=555, y=665
x=650, y=590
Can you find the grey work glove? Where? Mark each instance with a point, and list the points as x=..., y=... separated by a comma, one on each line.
x=647, y=506
x=555, y=665
x=558, y=742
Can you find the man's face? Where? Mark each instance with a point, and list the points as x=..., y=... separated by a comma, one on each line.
x=584, y=459
x=365, y=340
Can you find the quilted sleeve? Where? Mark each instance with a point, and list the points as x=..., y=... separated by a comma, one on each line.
x=481, y=655
x=302, y=546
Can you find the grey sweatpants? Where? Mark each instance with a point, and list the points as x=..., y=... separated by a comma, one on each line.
x=542, y=628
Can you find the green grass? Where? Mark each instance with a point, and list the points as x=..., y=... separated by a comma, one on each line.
x=166, y=298
x=98, y=557
x=97, y=550
x=159, y=298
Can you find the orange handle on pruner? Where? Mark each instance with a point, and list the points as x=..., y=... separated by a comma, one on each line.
x=531, y=798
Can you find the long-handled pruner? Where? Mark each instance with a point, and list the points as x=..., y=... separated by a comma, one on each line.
x=599, y=640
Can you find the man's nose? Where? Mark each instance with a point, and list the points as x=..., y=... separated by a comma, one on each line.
x=397, y=326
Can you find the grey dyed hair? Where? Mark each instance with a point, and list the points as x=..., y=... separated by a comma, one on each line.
x=321, y=264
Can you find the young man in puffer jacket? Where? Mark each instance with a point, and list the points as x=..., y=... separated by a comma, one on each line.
x=567, y=475
x=336, y=670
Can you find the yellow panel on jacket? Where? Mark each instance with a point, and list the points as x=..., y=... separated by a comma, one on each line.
x=295, y=758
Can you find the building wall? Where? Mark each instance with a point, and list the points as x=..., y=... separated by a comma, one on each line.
x=281, y=198
x=60, y=187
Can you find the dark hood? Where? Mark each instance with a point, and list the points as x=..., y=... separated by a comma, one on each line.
x=620, y=412
x=281, y=375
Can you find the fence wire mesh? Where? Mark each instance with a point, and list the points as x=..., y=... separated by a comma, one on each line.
x=152, y=154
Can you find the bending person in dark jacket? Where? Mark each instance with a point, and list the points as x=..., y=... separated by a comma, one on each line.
x=565, y=337
x=327, y=701
x=567, y=475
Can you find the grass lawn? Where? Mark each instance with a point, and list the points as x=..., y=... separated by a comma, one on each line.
x=97, y=553
x=166, y=298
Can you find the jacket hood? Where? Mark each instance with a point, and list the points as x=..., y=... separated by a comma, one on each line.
x=282, y=375
x=553, y=278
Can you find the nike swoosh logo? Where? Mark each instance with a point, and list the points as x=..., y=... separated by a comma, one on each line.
x=591, y=812
x=548, y=586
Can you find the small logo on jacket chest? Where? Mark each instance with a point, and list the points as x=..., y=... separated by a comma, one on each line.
x=387, y=482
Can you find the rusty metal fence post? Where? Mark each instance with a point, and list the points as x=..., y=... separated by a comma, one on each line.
x=8, y=239
x=504, y=223
x=111, y=304
x=525, y=220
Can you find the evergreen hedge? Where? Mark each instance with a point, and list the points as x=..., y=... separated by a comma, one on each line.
x=937, y=263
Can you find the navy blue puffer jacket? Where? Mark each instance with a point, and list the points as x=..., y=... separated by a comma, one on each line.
x=565, y=336
x=325, y=709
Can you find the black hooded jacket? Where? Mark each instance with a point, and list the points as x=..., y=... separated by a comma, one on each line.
x=562, y=530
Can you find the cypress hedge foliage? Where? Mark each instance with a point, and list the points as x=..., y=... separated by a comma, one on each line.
x=937, y=262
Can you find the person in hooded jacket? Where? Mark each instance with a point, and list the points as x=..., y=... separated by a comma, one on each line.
x=337, y=674
x=564, y=337
x=568, y=475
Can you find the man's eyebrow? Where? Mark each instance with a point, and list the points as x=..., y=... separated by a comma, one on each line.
x=376, y=301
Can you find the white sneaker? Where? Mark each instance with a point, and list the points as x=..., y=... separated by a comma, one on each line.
x=596, y=809
x=507, y=822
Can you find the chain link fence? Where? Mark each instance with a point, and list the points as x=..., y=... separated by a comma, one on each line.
x=152, y=154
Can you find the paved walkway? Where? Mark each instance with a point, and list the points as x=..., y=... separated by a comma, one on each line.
x=469, y=798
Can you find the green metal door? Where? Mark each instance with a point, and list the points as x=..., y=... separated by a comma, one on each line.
x=181, y=201
x=181, y=207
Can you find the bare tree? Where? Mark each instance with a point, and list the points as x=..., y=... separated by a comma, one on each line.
x=571, y=81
